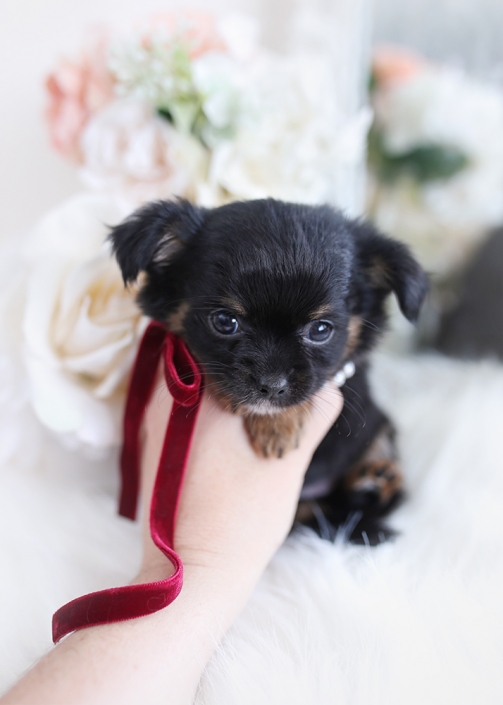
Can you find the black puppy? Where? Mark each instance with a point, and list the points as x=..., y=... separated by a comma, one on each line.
x=273, y=299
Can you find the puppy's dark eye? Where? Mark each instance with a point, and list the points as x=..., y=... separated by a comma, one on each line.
x=224, y=323
x=319, y=331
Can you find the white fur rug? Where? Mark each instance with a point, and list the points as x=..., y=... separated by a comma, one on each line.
x=419, y=620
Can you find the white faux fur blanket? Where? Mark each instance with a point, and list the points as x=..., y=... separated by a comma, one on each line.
x=419, y=620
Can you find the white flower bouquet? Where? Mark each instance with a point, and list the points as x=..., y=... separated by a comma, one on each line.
x=185, y=106
x=436, y=157
x=197, y=108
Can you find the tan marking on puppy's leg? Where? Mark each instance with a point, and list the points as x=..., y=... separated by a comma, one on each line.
x=176, y=319
x=273, y=435
x=381, y=478
x=354, y=329
x=377, y=475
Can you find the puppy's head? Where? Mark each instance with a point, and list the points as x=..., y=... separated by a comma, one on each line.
x=270, y=297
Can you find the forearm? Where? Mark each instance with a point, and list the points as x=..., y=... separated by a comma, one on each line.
x=154, y=659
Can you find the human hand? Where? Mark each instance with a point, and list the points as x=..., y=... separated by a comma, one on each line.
x=236, y=509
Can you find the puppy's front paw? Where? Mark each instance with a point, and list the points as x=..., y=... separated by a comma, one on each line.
x=272, y=436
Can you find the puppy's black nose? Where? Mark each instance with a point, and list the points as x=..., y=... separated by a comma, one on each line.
x=271, y=387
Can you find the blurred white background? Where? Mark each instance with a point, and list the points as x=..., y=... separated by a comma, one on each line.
x=35, y=34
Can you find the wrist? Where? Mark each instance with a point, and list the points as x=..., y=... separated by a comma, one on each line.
x=212, y=596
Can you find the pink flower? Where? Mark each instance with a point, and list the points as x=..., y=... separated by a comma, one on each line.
x=393, y=64
x=197, y=30
x=77, y=90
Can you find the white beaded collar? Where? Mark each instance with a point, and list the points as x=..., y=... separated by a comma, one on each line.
x=345, y=373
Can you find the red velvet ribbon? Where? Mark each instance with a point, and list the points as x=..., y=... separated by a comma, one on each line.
x=184, y=382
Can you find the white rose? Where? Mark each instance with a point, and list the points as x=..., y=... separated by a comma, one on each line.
x=127, y=148
x=81, y=326
x=439, y=106
x=444, y=219
x=292, y=139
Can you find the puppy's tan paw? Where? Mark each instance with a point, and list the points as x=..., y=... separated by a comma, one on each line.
x=272, y=436
x=271, y=446
x=374, y=482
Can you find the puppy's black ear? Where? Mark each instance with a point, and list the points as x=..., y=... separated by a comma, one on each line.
x=388, y=265
x=153, y=234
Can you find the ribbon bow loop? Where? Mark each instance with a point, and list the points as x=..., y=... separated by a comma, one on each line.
x=181, y=372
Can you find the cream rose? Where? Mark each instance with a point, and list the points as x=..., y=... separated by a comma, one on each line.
x=81, y=326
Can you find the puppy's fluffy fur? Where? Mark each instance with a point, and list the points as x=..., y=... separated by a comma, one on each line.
x=273, y=298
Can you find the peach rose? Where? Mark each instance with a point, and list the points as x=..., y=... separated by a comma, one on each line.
x=393, y=64
x=77, y=90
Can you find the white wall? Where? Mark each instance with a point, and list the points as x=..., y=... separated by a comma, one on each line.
x=464, y=32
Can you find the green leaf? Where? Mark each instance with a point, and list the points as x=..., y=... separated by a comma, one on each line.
x=426, y=162
x=166, y=114
x=372, y=82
